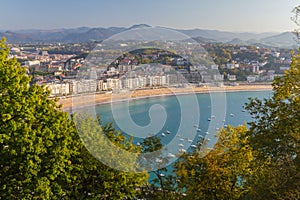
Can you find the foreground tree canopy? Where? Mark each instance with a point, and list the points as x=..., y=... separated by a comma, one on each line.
x=275, y=135
x=36, y=138
x=41, y=154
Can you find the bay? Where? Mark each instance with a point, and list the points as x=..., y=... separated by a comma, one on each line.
x=169, y=106
x=134, y=116
x=139, y=110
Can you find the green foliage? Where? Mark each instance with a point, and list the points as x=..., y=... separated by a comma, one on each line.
x=41, y=154
x=162, y=185
x=221, y=174
x=275, y=134
x=260, y=163
x=96, y=179
x=35, y=137
x=296, y=19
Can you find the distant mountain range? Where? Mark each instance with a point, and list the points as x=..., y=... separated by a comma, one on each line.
x=86, y=34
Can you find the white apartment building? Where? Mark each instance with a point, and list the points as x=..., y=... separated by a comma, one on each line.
x=83, y=86
x=252, y=79
x=114, y=84
x=130, y=83
x=58, y=89
x=231, y=77
x=32, y=63
x=218, y=77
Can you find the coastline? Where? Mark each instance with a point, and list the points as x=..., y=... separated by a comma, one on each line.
x=85, y=100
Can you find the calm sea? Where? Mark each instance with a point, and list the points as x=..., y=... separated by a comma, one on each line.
x=231, y=110
x=172, y=117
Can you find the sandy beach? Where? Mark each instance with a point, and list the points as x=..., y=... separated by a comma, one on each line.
x=92, y=99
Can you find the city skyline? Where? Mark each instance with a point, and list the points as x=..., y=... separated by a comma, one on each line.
x=231, y=15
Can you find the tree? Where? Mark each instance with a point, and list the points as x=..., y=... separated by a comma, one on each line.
x=223, y=173
x=153, y=160
x=96, y=180
x=35, y=137
x=275, y=135
x=296, y=19
x=41, y=154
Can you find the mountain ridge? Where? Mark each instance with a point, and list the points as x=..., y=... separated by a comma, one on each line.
x=86, y=34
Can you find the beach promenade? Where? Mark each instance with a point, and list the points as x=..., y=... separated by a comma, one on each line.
x=108, y=97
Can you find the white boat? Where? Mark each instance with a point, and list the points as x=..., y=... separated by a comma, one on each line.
x=164, y=135
x=182, y=150
x=231, y=114
x=193, y=146
x=170, y=155
x=168, y=132
x=190, y=141
x=181, y=145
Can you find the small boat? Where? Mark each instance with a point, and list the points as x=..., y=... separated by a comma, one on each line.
x=164, y=135
x=182, y=150
x=193, y=146
x=158, y=160
x=181, y=145
x=190, y=141
x=231, y=114
x=161, y=175
x=206, y=132
x=168, y=132
x=181, y=139
x=208, y=119
x=170, y=155
x=198, y=129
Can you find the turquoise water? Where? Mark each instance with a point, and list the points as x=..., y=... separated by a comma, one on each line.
x=139, y=111
x=215, y=110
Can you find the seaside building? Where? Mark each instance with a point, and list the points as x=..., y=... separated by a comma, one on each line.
x=218, y=77
x=252, y=78
x=84, y=86
x=102, y=86
x=58, y=89
x=114, y=84
x=231, y=77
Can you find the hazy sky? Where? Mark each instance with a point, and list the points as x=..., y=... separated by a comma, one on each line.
x=227, y=15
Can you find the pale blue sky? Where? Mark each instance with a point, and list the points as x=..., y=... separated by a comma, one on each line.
x=226, y=15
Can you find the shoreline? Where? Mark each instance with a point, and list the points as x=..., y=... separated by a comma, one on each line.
x=86, y=100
